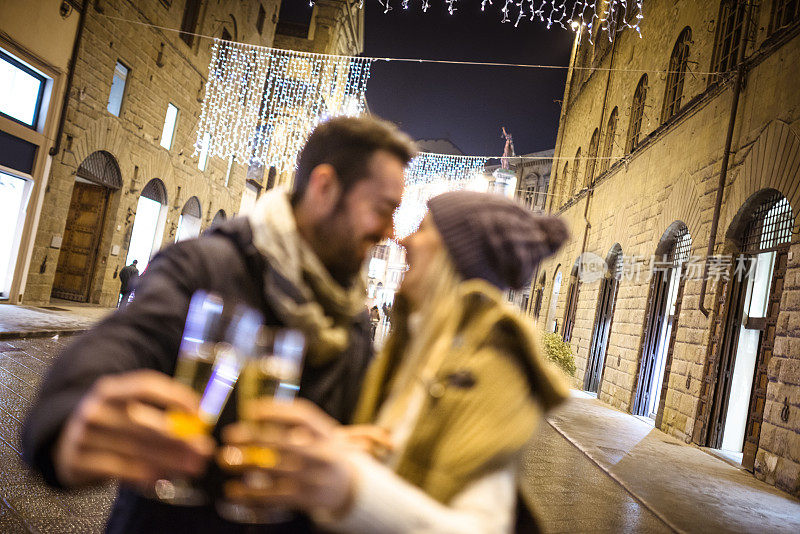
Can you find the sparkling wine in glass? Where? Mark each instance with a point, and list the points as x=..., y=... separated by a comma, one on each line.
x=213, y=349
x=273, y=373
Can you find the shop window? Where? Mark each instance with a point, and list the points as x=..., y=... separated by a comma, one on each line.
x=21, y=91
x=14, y=193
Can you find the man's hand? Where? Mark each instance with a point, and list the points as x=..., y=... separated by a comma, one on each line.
x=289, y=455
x=120, y=431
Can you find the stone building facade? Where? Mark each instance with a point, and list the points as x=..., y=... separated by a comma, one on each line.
x=37, y=56
x=639, y=168
x=126, y=179
x=533, y=180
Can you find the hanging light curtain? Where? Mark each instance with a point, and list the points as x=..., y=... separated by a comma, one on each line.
x=261, y=103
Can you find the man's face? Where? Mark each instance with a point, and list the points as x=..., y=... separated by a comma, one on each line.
x=362, y=219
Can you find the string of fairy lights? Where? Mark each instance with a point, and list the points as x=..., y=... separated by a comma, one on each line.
x=612, y=16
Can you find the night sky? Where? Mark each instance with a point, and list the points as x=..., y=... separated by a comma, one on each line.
x=466, y=104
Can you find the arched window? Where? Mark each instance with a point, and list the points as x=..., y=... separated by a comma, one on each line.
x=148, y=224
x=784, y=13
x=729, y=35
x=591, y=159
x=552, y=322
x=189, y=221
x=637, y=113
x=101, y=168
x=571, y=307
x=219, y=218
x=564, y=180
x=676, y=75
x=608, y=140
x=573, y=189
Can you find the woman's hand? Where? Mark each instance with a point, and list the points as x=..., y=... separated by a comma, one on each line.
x=371, y=439
x=289, y=455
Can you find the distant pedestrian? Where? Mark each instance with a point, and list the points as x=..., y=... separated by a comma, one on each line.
x=128, y=277
x=374, y=319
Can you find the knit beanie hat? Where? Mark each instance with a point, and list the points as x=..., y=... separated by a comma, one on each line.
x=491, y=237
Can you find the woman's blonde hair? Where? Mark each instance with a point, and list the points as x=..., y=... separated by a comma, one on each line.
x=436, y=319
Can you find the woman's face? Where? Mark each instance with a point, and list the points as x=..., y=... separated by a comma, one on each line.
x=421, y=248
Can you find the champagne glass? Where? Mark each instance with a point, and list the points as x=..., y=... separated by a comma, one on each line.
x=272, y=373
x=210, y=359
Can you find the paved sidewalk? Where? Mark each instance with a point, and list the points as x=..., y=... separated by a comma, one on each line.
x=58, y=318
x=689, y=489
x=570, y=494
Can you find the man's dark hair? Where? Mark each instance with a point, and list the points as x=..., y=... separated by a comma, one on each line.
x=135, y=262
x=347, y=144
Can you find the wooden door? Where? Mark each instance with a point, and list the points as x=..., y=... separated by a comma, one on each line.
x=81, y=240
x=602, y=329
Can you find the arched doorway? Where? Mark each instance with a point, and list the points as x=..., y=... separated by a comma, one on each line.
x=572, y=301
x=96, y=178
x=552, y=322
x=148, y=227
x=189, y=221
x=761, y=234
x=666, y=291
x=219, y=218
x=606, y=300
x=537, y=303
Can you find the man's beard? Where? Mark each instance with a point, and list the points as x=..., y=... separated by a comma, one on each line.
x=335, y=244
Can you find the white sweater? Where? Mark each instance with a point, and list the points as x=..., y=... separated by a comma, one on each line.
x=385, y=503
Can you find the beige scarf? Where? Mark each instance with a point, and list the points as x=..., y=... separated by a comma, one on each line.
x=302, y=291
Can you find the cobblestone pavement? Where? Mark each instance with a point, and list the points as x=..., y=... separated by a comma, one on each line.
x=565, y=472
x=26, y=504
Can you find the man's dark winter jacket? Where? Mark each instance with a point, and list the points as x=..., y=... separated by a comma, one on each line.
x=128, y=277
x=147, y=334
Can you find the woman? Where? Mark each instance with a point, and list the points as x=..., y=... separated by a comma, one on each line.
x=449, y=404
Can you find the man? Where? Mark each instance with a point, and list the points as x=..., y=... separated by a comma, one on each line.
x=374, y=319
x=128, y=277
x=101, y=411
